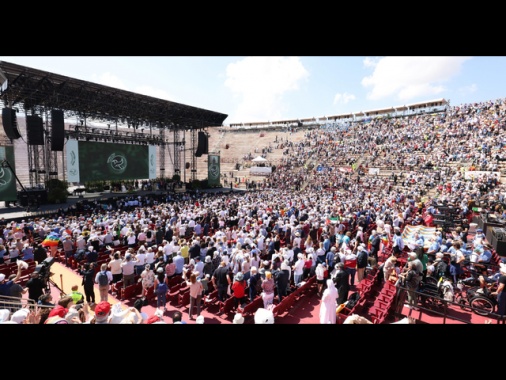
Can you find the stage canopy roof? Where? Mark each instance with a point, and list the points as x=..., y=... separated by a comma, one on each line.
x=35, y=92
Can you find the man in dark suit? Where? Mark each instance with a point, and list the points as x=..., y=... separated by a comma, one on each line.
x=341, y=281
x=194, y=250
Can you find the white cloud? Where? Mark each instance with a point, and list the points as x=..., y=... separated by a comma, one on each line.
x=108, y=79
x=259, y=85
x=406, y=78
x=370, y=62
x=466, y=90
x=343, y=98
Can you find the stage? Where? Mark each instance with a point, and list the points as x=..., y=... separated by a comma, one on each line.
x=18, y=212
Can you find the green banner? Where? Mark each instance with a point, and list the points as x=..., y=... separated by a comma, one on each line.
x=213, y=170
x=8, y=192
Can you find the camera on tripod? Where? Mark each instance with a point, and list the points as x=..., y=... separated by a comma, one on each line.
x=43, y=270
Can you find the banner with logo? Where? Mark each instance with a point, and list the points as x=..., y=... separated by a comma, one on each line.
x=152, y=162
x=213, y=170
x=8, y=192
x=72, y=161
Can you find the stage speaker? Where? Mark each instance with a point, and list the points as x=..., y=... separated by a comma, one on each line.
x=34, y=130
x=57, y=130
x=32, y=197
x=202, y=147
x=10, y=123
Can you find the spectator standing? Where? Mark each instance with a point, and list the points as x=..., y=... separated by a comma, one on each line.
x=239, y=290
x=255, y=281
x=128, y=270
x=87, y=271
x=179, y=262
x=501, y=296
x=103, y=278
x=35, y=287
x=27, y=252
x=362, y=261
x=221, y=280
x=68, y=248
x=350, y=263
x=342, y=283
x=195, y=290
x=411, y=279
x=147, y=279
x=298, y=270
x=161, y=288
x=268, y=287
x=115, y=266
x=375, y=240
x=328, y=305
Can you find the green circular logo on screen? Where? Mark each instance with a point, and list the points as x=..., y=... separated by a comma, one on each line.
x=5, y=178
x=117, y=163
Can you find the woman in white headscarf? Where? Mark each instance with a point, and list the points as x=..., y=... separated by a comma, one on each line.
x=328, y=305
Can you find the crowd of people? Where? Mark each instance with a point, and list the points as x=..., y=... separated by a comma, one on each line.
x=313, y=217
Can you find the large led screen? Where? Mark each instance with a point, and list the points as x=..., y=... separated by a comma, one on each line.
x=96, y=161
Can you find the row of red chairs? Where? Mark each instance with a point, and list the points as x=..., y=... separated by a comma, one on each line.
x=364, y=289
x=289, y=301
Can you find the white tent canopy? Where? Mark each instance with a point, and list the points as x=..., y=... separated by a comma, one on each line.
x=263, y=169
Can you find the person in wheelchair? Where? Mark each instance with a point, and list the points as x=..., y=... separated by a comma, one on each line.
x=488, y=283
x=499, y=292
x=483, y=259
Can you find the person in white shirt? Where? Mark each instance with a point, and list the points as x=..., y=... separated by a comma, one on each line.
x=115, y=265
x=298, y=269
x=107, y=238
x=199, y=267
x=260, y=243
x=125, y=230
x=288, y=253
x=131, y=240
x=167, y=249
x=150, y=257
x=320, y=253
x=80, y=243
x=140, y=256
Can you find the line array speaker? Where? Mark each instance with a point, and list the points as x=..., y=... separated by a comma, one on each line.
x=10, y=123
x=202, y=147
x=34, y=130
x=57, y=130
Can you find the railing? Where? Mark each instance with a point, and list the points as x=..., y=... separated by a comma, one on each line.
x=14, y=303
x=442, y=310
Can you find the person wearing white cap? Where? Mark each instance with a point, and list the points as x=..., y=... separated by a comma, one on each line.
x=200, y=320
x=238, y=319
x=264, y=317
x=19, y=316
x=5, y=315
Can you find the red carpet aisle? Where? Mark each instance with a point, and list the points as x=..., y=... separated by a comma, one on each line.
x=305, y=312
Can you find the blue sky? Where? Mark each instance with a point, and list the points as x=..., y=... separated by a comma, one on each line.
x=268, y=88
